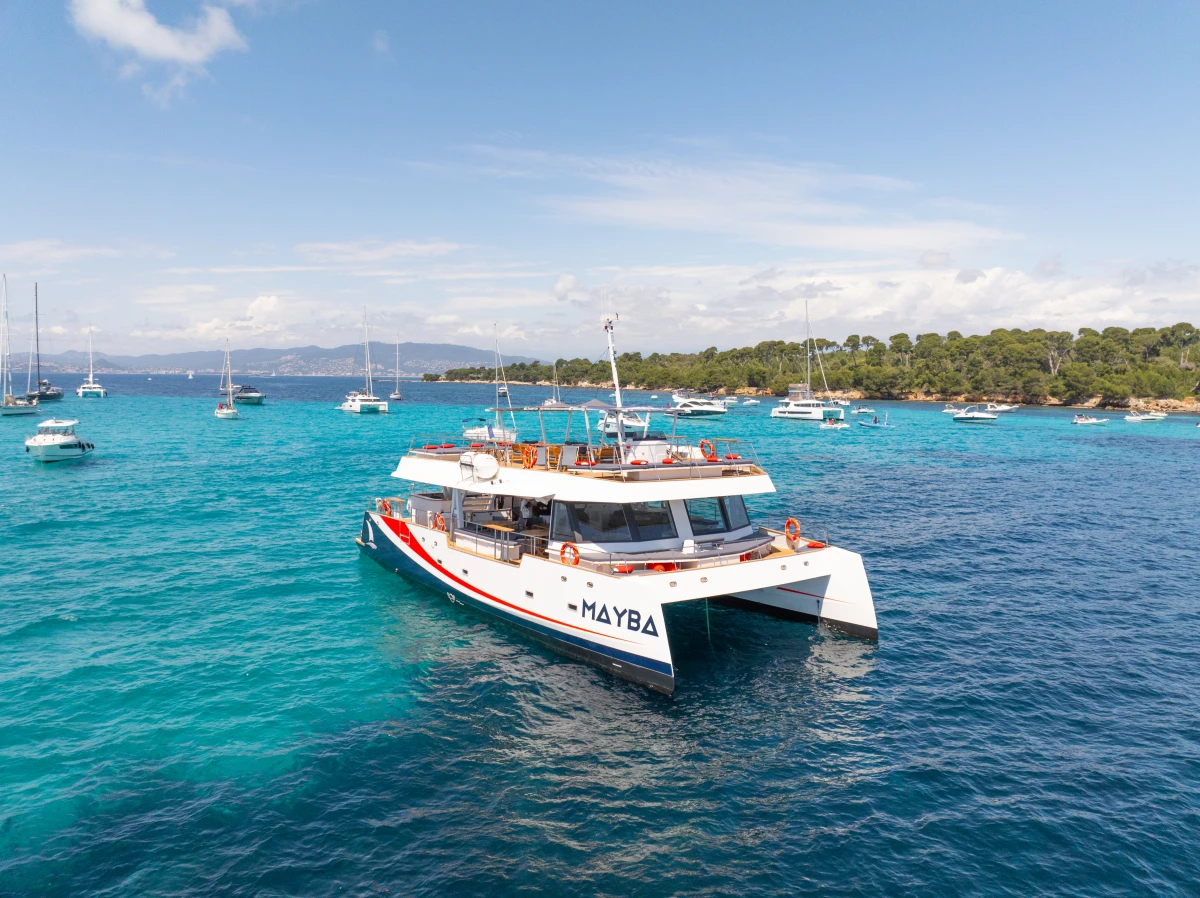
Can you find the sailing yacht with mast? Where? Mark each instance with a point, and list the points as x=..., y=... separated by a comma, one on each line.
x=11, y=405
x=225, y=409
x=91, y=389
x=581, y=545
x=800, y=404
x=396, y=394
x=630, y=422
x=364, y=401
x=44, y=391
x=555, y=400
x=479, y=430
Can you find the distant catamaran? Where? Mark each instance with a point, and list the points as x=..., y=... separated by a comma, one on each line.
x=365, y=402
x=396, y=394
x=91, y=389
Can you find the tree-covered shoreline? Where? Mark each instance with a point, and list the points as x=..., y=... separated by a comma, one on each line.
x=1113, y=366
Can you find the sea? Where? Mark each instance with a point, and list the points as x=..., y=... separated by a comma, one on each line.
x=205, y=689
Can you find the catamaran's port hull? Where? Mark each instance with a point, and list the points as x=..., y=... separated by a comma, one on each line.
x=616, y=622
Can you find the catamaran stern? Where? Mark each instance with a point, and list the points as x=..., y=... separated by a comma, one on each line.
x=840, y=597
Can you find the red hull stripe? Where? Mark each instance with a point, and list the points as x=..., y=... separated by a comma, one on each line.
x=401, y=530
x=813, y=594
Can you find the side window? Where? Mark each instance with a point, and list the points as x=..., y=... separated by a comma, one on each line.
x=560, y=523
x=705, y=516
x=652, y=520
x=601, y=522
x=735, y=512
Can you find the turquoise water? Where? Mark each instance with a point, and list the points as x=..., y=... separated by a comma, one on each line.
x=205, y=689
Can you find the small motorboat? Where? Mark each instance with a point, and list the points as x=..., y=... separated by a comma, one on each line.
x=1088, y=419
x=951, y=409
x=842, y=402
x=862, y=410
x=876, y=423
x=1139, y=417
x=1158, y=416
x=1000, y=407
x=832, y=424
x=749, y=402
x=57, y=441
x=972, y=415
x=247, y=395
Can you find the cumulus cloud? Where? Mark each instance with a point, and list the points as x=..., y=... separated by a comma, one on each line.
x=564, y=285
x=969, y=276
x=934, y=259
x=1049, y=267
x=128, y=26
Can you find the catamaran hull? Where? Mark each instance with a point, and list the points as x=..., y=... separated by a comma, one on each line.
x=531, y=598
x=615, y=622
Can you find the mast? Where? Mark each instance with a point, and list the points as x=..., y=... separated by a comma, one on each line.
x=367, y=351
x=37, y=334
x=5, y=373
x=397, y=363
x=91, y=374
x=807, y=350
x=228, y=375
x=612, y=357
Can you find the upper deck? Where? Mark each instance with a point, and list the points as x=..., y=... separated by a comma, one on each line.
x=634, y=470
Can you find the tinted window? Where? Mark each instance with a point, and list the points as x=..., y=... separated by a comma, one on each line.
x=735, y=513
x=706, y=516
x=560, y=523
x=601, y=522
x=652, y=520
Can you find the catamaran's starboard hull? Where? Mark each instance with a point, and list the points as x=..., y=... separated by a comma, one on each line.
x=396, y=546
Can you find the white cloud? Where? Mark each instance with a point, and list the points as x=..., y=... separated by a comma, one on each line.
x=564, y=285
x=360, y=251
x=932, y=258
x=128, y=25
x=48, y=253
x=969, y=276
x=58, y=329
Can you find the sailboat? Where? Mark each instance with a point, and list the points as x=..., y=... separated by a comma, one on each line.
x=91, y=389
x=800, y=403
x=12, y=405
x=44, y=391
x=225, y=409
x=365, y=402
x=396, y=394
x=497, y=431
x=555, y=400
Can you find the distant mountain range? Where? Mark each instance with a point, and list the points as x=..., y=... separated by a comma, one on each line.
x=415, y=359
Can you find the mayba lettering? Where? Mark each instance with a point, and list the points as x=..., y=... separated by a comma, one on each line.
x=629, y=618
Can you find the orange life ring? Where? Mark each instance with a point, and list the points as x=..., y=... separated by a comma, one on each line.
x=813, y=544
x=668, y=460
x=732, y=456
x=439, y=523
x=663, y=567
x=639, y=461
x=528, y=456
x=788, y=528
x=562, y=554
x=622, y=568
x=385, y=506
x=711, y=454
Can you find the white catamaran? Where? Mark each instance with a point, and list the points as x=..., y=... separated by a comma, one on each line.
x=11, y=405
x=396, y=394
x=364, y=401
x=91, y=389
x=800, y=404
x=581, y=541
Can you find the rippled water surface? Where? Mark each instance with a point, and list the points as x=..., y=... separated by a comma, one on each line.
x=205, y=689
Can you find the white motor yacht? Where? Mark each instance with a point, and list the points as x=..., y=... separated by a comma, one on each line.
x=581, y=544
x=801, y=404
x=862, y=410
x=751, y=402
x=1088, y=419
x=225, y=409
x=57, y=441
x=1160, y=416
x=91, y=389
x=1000, y=407
x=972, y=415
x=245, y=394
x=364, y=401
x=1142, y=417
x=691, y=405
x=951, y=409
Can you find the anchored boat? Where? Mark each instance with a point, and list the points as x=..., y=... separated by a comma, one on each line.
x=581, y=542
x=10, y=405
x=91, y=389
x=364, y=401
x=57, y=441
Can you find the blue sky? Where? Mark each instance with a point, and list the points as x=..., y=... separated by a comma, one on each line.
x=179, y=172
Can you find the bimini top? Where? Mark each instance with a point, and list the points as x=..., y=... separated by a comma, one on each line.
x=54, y=425
x=637, y=470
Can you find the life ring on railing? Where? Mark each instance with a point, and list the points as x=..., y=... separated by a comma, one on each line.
x=562, y=554
x=791, y=524
x=385, y=507
x=667, y=460
x=528, y=456
x=813, y=544
x=477, y=445
x=432, y=446
x=439, y=523
x=711, y=454
x=622, y=569
x=639, y=461
x=732, y=456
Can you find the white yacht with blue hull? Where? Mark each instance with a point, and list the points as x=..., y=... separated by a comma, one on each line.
x=581, y=544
